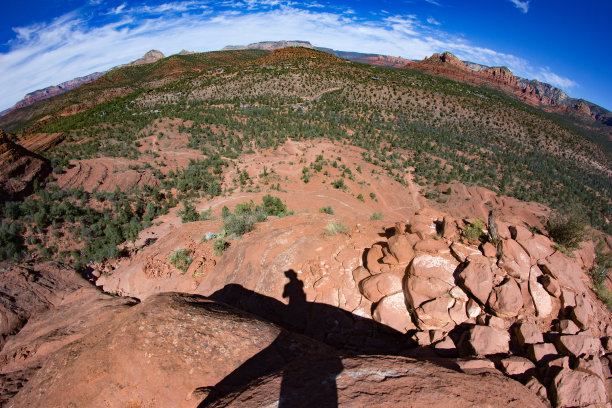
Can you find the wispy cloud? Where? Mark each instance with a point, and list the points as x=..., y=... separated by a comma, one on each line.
x=77, y=44
x=433, y=21
x=434, y=2
x=521, y=5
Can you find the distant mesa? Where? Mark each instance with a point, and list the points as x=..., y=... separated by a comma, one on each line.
x=64, y=87
x=148, y=58
x=269, y=45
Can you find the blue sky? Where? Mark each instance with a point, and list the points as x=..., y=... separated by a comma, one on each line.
x=565, y=43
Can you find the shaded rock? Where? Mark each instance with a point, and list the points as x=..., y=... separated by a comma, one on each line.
x=20, y=169
x=542, y=353
x=517, y=367
x=401, y=248
x=566, y=326
x=506, y=299
x=391, y=311
x=537, y=388
x=484, y=340
x=519, y=232
x=577, y=345
x=528, y=333
x=581, y=312
x=551, y=285
x=475, y=365
x=377, y=286
x=381, y=381
x=446, y=348
x=31, y=290
x=373, y=257
x=572, y=388
x=162, y=350
x=462, y=251
x=591, y=365
x=477, y=278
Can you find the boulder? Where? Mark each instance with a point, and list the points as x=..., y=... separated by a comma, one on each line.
x=538, y=246
x=446, y=348
x=391, y=311
x=458, y=312
x=506, y=299
x=360, y=273
x=373, y=258
x=462, y=251
x=581, y=312
x=473, y=309
x=433, y=246
x=542, y=353
x=385, y=381
x=377, y=286
x=434, y=315
x=489, y=250
x=401, y=248
x=515, y=260
x=564, y=269
x=429, y=276
x=591, y=365
x=571, y=388
x=449, y=229
x=485, y=340
x=520, y=232
x=541, y=299
x=577, y=345
x=568, y=298
x=517, y=367
x=566, y=326
x=537, y=388
x=477, y=278
x=528, y=333
x=551, y=285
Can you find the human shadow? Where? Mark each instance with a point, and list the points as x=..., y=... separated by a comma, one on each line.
x=303, y=363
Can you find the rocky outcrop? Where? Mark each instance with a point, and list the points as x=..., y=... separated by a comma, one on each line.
x=148, y=58
x=20, y=169
x=380, y=381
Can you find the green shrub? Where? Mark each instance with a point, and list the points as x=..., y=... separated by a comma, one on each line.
x=188, y=213
x=339, y=184
x=11, y=241
x=334, y=228
x=274, y=206
x=206, y=215
x=474, y=231
x=360, y=197
x=219, y=245
x=376, y=216
x=566, y=230
x=326, y=210
x=181, y=259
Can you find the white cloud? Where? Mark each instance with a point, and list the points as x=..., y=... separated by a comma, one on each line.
x=434, y=2
x=545, y=75
x=521, y=5
x=433, y=21
x=68, y=47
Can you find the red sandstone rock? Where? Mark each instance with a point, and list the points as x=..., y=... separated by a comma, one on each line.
x=506, y=299
x=401, y=249
x=477, y=279
x=485, y=340
x=572, y=388
x=392, y=311
x=377, y=286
